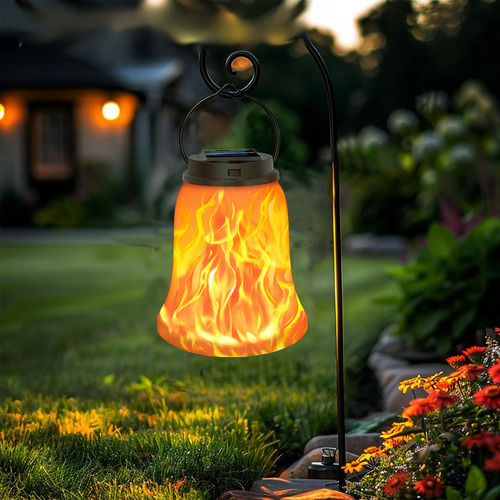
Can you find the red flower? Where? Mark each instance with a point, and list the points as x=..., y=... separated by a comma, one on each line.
x=494, y=372
x=482, y=439
x=493, y=463
x=493, y=443
x=497, y=330
x=456, y=361
x=430, y=486
x=421, y=406
x=475, y=353
x=471, y=371
x=442, y=399
x=395, y=483
x=489, y=397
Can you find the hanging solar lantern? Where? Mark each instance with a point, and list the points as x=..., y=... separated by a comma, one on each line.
x=231, y=292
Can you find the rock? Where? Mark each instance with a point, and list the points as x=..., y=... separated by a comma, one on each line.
x=355, y=443
x=393, y=363
x=370, y=243
x=298, y=470
x=394, y=399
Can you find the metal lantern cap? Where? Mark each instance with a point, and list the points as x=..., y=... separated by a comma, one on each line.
x=230, y=167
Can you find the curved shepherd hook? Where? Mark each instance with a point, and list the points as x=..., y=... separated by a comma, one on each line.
x=202, y=62
x=337, y=253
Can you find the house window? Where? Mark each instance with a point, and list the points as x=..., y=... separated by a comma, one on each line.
x=51, y=143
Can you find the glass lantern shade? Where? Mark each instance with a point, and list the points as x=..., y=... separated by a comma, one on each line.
x=231, y=292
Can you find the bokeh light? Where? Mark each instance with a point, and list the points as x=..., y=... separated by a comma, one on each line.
x=111, y=110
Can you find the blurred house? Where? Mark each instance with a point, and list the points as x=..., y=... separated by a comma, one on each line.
x=106, y=106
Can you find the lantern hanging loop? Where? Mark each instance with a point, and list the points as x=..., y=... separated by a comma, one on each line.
x=235, y=92
x=220, y=91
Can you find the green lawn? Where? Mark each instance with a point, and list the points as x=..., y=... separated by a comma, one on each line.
x=96, y=405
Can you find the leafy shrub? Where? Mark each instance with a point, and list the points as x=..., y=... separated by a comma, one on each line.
x=64, y=213
x=451, y=288
x=435, y=164
x=446, y=444
x=252, y=128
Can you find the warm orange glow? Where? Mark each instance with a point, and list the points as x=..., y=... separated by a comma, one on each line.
x=92, y=104
x=241, y=64
x=284, y=489
x=231, y=292
x=12, y=111
x=319, y=494
x=111, y=110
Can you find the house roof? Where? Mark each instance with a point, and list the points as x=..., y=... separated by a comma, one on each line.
x=25, y=65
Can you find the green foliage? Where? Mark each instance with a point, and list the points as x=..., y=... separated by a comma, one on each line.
x=252, y=128
x=433, y=165
x=450, y=288
x=64, y=213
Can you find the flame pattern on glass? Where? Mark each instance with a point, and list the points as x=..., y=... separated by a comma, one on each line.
x=231, y=292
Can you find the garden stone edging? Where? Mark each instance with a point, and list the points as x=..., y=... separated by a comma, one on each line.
x=393, y=363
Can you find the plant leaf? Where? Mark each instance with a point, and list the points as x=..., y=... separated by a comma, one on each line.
x=441, y=241
x=462, y=322
x=493, y=494
x=476, y=482
x=427, y=324
x=453, y=494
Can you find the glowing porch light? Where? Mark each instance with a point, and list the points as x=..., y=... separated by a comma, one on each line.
x=2, y=111
x=111, y=110
x=231, y=292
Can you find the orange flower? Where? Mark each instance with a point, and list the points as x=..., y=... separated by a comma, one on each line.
x=429, y=486
x=494, y=372
x=180, y=483
x=444, y=384
x=472, y=371
x=395, y=483
x=421, y=406
x=443, y=399
x=475, y=353
x=489, y=397
x=354, y=466
x=456, y=361
x=454, y=377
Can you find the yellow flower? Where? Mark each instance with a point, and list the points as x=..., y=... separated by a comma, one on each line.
x=390, y=443
x=412, y=383
x=371, y=452
x=354, y=466
x=431, y=383
x=418, y=382
x=397, y=428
